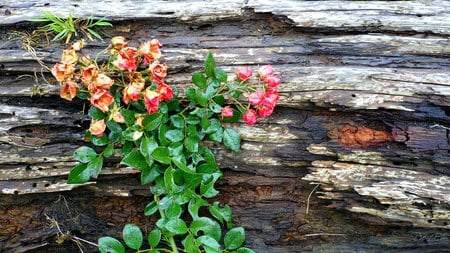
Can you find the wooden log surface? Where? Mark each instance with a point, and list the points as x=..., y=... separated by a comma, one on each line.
x=364, y=112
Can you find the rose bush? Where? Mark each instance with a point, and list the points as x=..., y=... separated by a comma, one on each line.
x=135, y=114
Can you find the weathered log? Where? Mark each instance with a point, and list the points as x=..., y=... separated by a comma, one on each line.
x=364, y=113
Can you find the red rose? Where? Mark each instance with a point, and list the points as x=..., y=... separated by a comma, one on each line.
x=165, y=92
x=255, y=98
x=158, y=71
x=273, y=81
x=244, y=73
x=265, y=72
x=102, y=99
x=250, y=117
x=151, y=101
x=227, y=112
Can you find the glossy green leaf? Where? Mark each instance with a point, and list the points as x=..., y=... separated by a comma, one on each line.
x=190, y=93
x=207, y=187
x=223, y=214
x=99, y=141
x=192, y=120
x=169, y=182
x=154, y=237
x=84, y=171
x=232, y=139
x=209, y=243
x=234, y=238
x=216, y=136
x=109, y=150
x=148, y=175
x=215, y=107
x=191, y=144
x=176, y=226
x=162, y=155
x=151, y=208
x=173, y=211
x=209, y=65
x=220, y=75
x=214, y=125
x=129, y=116
x=191, y=245
x=148, y=145
x=244, y=250
x=152, y=121
x=96, y=113
x=135, y=160
x=115, y=130
x=208, y=226
x=201, y=98
x=132, y=235
x=177, y=121
x=182, y=165
x=84, y=154
x=132, y=133
x=162, y=135
x=199, y=79
x=194, y=205
x=175, y=135
x=110, y=245
x=176, y=149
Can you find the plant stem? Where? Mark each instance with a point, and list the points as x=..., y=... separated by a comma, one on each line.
x=170, y=239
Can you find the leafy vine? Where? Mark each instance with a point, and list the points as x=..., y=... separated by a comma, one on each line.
x=136, y=115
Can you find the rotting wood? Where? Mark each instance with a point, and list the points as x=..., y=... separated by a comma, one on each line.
x=381, y=80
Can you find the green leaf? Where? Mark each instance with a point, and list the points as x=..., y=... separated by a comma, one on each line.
x=217, y=135
x=132, y=236
x=209, y=157
x=162, y=135
x=132, y=133
x=102, y=141
x=215, y=107
x=135, y=160
x=148, y=145
x=191, y=245
x=110, y=245
x=129, y=116
x=234, y=238
x=194, y=205
x=152, y=121
x=219, y=99
x=169, y=182
x=237, y=115
x=231, y=139
x=175, y=135
x=214, y=125
x=154, y=237
x=109, y=150
x=191, y=144
x=149, y=175
x=84, y=171
x=209, y=65
x=208, y=226
x=162, y=155
x=176, y=149
x=244, y=250
x=182, y=165
x=201, y=98
x=190, y=93
x=159, y=188
x=192, y=120
x=173, y=211
x=96, y=113
x=207, y=187
x=199, y=79
x=84, y=154
x=222, y=214
x=210, y=244
x=176, y=226
x=177, y=121
x=151, y=208
x=221, y=75
x=115, y=130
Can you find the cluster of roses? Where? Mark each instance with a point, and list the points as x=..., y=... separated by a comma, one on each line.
x=262, y=102
x=78, y=72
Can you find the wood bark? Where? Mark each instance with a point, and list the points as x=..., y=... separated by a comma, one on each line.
x=364, y=113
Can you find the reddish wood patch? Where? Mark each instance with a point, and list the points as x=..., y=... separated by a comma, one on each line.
x=351, y=135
